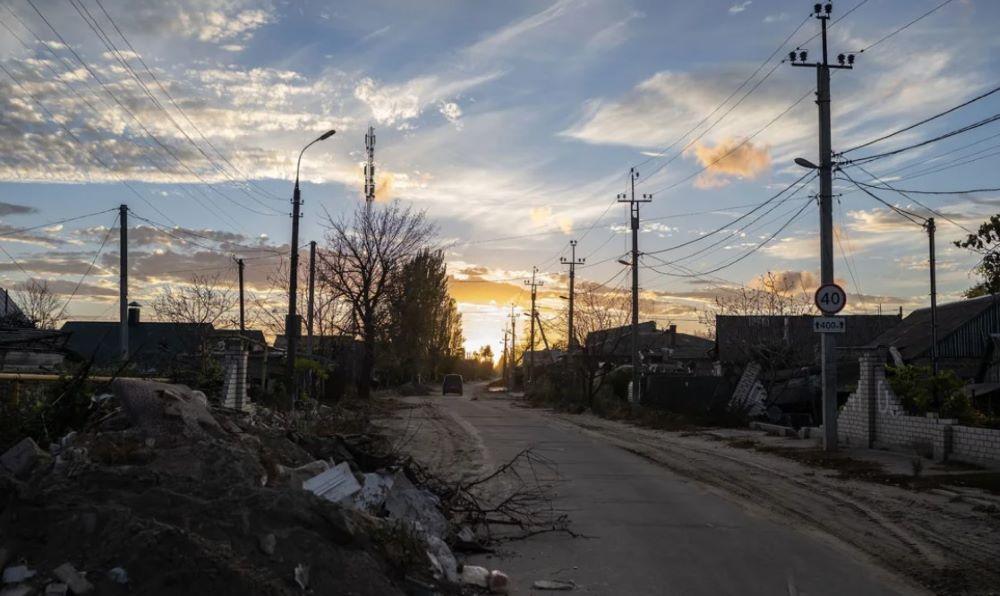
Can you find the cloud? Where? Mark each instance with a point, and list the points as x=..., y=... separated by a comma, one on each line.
x=497, y=40
x=614, y=34
x=13, y=209
x=451, y=111
x=729, y=159
x=384, y=184
x=738, y=8
x=394, y=104
x=10, y=233
x=776, y=18
x=544, y=217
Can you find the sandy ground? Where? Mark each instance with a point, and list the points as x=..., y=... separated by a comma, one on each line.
x=943, y=543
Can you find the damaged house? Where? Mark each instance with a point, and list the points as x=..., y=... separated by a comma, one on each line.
x=968, y=333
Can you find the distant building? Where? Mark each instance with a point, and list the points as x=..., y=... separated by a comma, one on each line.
x=24, y=348
x=665, y=349
x=741, y=339
x=967, y=335
x=153, y=346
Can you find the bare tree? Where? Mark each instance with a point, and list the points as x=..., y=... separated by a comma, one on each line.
x=771, y=294
x=598, y=308
x=203, y=300
x=39, y=304
x=363, y=254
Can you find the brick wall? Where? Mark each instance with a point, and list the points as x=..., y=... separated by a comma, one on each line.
x=874, y=417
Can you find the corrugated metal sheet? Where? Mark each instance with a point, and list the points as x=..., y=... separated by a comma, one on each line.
x=972, y=339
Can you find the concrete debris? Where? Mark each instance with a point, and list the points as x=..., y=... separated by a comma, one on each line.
x=498, y=582
x=17, y=574
x=302, y=575
x=296, y=477
x=160, y=408
x=553, y=584
x=417, y=506
x=21, y=459
x=267, y=544
x=68, y=574
x=56, y=589
x=21, y=590
x=373, y=492
x=118, y=575
x=4, y=556
x=474, y=575
x=336, y=484
x=442, y=559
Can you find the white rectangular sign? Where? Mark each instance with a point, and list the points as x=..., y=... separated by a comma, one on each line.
x=829, y=324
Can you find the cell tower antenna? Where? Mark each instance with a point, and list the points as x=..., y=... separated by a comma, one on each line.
x=370, y=165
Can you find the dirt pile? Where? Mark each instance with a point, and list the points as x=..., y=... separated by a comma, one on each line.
x=160, y=494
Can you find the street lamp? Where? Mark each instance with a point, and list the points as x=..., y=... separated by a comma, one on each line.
x=292, y=324
x=805, y=163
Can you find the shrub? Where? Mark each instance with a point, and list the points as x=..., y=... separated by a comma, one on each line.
x=921, y=391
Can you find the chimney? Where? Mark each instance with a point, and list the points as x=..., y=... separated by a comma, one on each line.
x=133, y=314
x=673, y=336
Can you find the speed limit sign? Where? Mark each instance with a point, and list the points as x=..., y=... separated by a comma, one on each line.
x=831, y=299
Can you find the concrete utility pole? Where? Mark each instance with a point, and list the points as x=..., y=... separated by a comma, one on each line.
x=123, y=278
x=634, y=209
x=931, y=227
x=534, y=291
x=239, y=268
x=572, y=262
x=506, y=360
x=370, y=165
x=293, y=323
x=829, y=362
x=513, y=347
x=312, y=296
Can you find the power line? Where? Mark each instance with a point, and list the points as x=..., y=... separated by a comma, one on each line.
x=949, y=134
x=54, y=223
x=906, y=26
x=939, y=214
x=738, y=219
x=922, y=122
x=132, y=115
x=89, y=269
x=756, y=248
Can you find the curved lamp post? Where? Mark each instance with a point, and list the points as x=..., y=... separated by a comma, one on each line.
x=292, y=325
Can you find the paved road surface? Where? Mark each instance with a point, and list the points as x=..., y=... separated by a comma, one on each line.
x=654, y=532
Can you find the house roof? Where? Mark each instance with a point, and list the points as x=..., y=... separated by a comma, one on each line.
x=151, y=344
x=912, y=337
x=617, y=341
x=255, y=337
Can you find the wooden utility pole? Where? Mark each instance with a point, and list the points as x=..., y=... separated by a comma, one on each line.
x=534, y=283
x=513, y=347
x=506, y=360
x=634, y=210
x=123, y=278
x=828, y=344
x=572, y=262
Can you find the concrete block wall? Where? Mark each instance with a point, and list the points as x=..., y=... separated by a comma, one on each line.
x=975, y=445
x=234, y=380
x=874, y=417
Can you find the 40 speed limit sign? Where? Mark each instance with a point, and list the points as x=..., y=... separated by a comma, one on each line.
x=831, y=299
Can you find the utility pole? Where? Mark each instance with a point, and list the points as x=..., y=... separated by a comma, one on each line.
x=506, y=360
x=931, y=227
x=634, y=210
x=123, y=278
x=572, y=262
x=829, y=362
x=513, y=347
x=312, y=296
x=293, y=323
x=239, y=268
x=370, y=165
x=534, y=291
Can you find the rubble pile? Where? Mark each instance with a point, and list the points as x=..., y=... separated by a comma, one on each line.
x=159, y=493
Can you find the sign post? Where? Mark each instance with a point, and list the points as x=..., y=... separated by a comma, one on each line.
x=830, y=299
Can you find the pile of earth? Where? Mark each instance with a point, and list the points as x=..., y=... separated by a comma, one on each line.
x=160, y=494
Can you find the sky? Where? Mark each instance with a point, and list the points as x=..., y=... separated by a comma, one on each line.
x=512, y=124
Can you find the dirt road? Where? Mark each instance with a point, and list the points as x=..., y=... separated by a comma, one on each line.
x=681, y=513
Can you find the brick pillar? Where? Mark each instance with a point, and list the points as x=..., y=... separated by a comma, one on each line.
x=234, y=380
